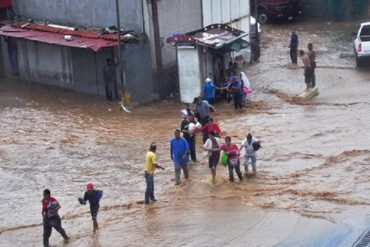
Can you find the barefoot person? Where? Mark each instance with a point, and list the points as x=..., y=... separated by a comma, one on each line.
x=179, y=148
x=151, y=163
x=50, y=208
x=307, y=68
x=93, y=196
x=213, y=146
x=234, y=161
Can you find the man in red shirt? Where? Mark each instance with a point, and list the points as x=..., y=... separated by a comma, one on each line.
x=50, y=207
x=210, y=126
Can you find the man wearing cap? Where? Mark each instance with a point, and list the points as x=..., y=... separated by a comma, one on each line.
x=209, y=91
x=179, y=148
x=50, y=208
x=93, y=196
x=202, y=108
x=150, y=164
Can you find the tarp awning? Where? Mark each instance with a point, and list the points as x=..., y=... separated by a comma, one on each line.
x=56, y=38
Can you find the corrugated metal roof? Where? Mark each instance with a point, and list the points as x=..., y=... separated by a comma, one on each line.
x=83, y=40
x=215, y=36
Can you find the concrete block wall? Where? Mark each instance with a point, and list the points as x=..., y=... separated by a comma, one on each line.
x=41, y=63
x=139, y=79
x=314, y=8
x=86, y=13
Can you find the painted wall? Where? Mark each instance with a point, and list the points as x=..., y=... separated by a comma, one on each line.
x=88, y=70
x=189, y=73
x=81, y=69
x=337, y=10
x=42, y=63
x=96, y=13
x=139, y=79
x=235, y=13
x=232, y=12
x=175, y=16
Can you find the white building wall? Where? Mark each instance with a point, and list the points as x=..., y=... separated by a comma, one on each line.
x=189, y=73
x=235, y=13
x=232, y=12
x=177, y=16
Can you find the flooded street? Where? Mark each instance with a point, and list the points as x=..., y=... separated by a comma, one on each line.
x=313, y=183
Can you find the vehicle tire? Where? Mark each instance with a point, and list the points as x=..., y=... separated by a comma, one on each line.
x=262, y=17
x=358, y=62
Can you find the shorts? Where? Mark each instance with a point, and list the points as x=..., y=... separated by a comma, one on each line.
x=94, y=212
x=213, y=160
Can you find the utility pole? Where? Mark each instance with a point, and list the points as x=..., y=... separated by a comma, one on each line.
x=256, y=46
x=158, y=48
x=256, y=16
x=121, y=69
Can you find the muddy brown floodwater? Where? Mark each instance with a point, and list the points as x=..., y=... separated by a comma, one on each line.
x=313, y=186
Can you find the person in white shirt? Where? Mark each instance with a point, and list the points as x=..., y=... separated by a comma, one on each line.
x=213, y=146
x=250, y=152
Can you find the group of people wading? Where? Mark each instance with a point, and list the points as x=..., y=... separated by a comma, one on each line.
x=183, y=148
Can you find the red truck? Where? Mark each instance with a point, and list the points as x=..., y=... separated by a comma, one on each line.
x=269, y=10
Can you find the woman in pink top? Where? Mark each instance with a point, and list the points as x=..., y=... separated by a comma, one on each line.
x=234, y=161
x=210, y=126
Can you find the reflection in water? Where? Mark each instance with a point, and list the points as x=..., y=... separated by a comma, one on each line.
x=314, y=160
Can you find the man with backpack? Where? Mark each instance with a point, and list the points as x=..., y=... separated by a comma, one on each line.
x=235, y=89
x=93, y=196
x=251, y=146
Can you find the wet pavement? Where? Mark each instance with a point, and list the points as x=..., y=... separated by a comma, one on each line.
x=313, y=183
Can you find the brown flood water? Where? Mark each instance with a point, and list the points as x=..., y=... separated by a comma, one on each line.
x=313, y=183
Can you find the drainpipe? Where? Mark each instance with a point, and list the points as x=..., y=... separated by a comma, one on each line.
x=158, y=48
x=120, y=53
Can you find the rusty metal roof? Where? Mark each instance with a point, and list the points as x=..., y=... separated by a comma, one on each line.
x=215, y=36
x=57, y=38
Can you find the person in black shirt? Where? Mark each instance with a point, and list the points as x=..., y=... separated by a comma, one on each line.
x=189, y=136
x=93, y=196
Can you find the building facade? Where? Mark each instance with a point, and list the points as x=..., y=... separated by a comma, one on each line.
x=150, y=66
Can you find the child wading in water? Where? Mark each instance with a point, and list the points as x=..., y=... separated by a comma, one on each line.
x=93, y=196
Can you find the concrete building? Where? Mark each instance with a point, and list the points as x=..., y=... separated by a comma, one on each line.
x=81, y=69
x=75, y=68
x=180, y=16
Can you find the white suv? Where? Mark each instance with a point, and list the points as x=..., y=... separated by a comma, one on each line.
x=362, y=43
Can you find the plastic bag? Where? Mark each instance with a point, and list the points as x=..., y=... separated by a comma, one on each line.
x=224, y=159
